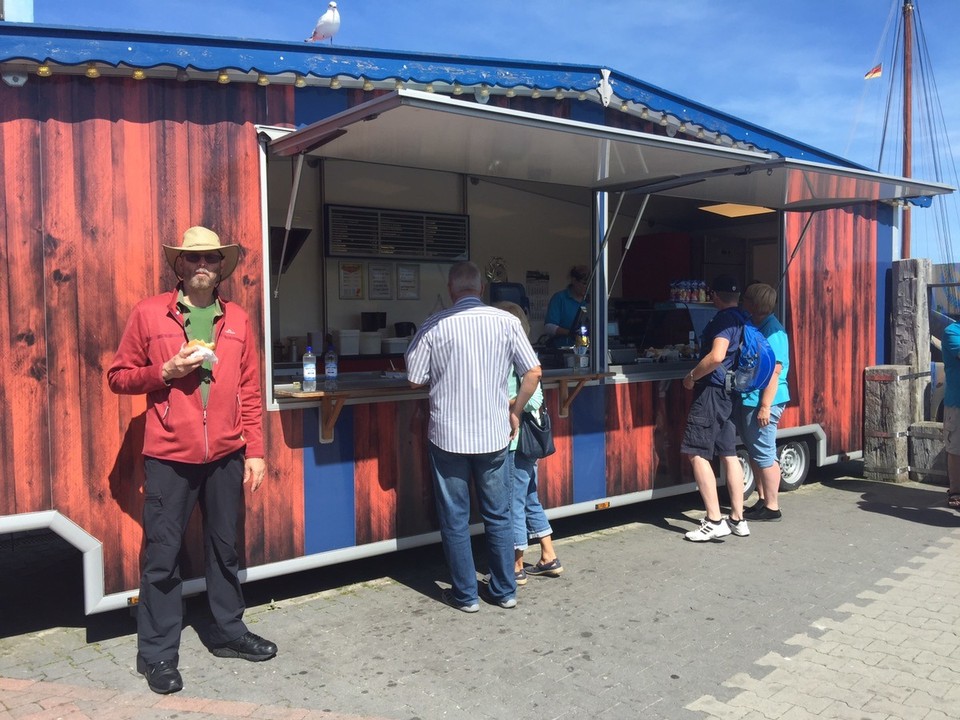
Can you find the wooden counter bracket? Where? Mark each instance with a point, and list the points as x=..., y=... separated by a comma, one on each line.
x=330, y=407
x=566, y=396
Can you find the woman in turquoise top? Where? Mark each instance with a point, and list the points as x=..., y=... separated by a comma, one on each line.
x=529, y=519
x=951, y=411
x=759, y=411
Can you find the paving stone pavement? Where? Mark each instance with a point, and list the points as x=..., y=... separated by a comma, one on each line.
x=848, y=608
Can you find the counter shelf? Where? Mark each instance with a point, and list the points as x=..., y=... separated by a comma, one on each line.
x=639, y=372
x=373, y=387
x=370, y=386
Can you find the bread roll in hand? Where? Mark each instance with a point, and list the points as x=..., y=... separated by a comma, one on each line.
x=201, y=350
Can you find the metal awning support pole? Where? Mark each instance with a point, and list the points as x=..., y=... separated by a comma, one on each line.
x=286, y=226
x=803, y=235
x=626, y=248
x=603, y=245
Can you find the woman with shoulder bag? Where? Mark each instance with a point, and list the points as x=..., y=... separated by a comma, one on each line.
x=529, y=519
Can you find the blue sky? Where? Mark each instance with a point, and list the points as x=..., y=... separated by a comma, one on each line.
x=794, y=66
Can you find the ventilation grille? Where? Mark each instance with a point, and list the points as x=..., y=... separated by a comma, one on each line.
x=372, y=232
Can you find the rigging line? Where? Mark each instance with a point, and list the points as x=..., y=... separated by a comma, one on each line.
x=888, y=107
x=938, y=129
x=940, y=153
x=878, y=55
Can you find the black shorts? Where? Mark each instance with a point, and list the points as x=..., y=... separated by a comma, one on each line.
x=710, y=429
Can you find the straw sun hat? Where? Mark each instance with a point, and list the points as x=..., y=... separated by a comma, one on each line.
x=200, y=239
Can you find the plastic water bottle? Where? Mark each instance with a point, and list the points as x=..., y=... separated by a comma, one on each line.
x=581, y=344
x=330, y=365
x=309, y=371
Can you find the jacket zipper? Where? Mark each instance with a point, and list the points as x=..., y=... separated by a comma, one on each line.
x=206, y=439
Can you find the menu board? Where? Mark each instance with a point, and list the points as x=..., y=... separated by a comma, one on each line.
x=380, y=277
x=351, y=281
x=408, y=281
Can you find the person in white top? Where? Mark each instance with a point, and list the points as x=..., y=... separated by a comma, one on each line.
x=465, y=354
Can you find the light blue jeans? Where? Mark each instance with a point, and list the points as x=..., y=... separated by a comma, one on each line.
x=761, y=442
x=529, y=519
x=452, y=473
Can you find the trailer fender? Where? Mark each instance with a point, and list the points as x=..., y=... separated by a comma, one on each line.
x=89, y=546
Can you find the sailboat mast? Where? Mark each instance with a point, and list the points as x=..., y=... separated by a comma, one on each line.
x=907, y=118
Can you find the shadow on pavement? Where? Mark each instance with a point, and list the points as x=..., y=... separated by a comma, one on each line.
x=914, y=502
x=47, y=586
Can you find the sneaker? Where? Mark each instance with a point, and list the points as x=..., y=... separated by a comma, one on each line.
x=766, y=515
x=447, y=597
x=739, y=527
x=520, y=576
x=709, y=531
x=552, y=568
x=506, y=603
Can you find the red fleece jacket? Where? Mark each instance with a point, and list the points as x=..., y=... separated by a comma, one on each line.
x=177, y=426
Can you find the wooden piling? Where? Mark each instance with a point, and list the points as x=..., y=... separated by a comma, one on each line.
x=888, y=412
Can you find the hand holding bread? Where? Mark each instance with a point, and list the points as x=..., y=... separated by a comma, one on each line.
x=192, y=355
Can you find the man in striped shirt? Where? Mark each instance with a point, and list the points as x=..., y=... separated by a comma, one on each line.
x=465, y=354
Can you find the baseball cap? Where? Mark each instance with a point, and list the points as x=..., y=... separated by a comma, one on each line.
x=725, y=283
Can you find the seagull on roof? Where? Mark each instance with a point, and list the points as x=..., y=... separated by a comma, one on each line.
x=327, y=25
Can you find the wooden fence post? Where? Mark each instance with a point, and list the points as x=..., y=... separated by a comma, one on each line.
x=928, y=458
x=910, y=324
x=888, y=410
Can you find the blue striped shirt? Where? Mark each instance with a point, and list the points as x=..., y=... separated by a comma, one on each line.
x=466, y=354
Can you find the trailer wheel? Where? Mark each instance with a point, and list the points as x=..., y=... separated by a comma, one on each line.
x=749, y=481
x=794, y=457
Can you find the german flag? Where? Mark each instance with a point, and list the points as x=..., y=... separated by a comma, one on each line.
x=874, y=72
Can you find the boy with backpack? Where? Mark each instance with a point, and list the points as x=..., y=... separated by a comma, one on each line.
x=758, y=411
x=710, y=429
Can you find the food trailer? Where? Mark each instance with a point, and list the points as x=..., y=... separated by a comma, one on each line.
x=352, y=180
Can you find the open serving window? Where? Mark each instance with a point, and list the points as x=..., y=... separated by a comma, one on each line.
x=606, y=186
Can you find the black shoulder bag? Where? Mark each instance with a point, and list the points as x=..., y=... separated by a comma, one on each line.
x=536, y=434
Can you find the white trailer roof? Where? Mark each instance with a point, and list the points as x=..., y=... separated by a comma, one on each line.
x=408, y=128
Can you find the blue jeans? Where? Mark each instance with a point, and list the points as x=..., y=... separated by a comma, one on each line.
x=529, y=520
x=451, y=481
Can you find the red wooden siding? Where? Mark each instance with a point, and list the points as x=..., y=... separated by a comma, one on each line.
x=555, y=473
x=24, y=420
x=831, y=320
x=392, y=476
x=645, y=423
x=96, y=175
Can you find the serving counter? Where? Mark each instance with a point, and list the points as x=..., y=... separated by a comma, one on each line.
x=370, y=387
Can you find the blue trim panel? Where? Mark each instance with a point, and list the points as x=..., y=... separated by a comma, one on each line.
x=329, y=510
x=884, y=225
x=314, y=104
x=588, y=421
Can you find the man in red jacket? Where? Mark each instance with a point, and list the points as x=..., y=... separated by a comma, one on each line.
x=203, y=440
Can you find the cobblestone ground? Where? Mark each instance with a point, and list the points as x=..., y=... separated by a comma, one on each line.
x=848, y=608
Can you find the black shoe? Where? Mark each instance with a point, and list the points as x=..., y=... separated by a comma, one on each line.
x=248, y=646
x=755, y=508
x=162, y=677
x=765, y=514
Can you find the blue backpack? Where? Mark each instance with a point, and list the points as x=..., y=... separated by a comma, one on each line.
x=755, y=361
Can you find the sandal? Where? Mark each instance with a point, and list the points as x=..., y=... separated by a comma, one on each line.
x=953, y=499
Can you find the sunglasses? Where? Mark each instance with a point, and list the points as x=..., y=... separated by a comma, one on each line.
x=194, y=258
